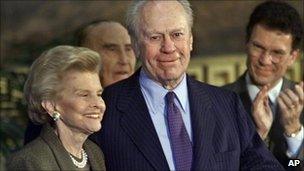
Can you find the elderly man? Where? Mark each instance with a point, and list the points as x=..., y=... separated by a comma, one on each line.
x=161, y=119
x=274, y=34
x=112, y=41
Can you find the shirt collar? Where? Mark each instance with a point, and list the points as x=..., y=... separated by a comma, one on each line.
x=157, y=92
x=253, y=90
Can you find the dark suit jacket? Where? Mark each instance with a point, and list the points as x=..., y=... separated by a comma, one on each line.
x=47, y=153
x=278, y=144
x=224, y=138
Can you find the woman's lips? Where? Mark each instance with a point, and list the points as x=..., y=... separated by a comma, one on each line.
x=93, y=115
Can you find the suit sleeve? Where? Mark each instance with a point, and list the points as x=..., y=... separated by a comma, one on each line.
x=254, y=153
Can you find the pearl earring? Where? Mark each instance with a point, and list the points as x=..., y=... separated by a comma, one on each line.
x=55, y=116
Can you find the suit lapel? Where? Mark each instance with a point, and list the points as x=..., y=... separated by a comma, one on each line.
x=61, y=155
x=95, y=158
x=202, y=122
x=242, y=91
x=136, y=122
x=287, y=84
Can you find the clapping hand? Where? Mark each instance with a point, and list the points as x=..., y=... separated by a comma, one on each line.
x=291, y=105
x=262, y=113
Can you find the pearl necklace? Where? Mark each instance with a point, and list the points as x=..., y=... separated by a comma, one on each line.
x=84, y=161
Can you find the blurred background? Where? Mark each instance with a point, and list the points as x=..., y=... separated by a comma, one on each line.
x=30, y=27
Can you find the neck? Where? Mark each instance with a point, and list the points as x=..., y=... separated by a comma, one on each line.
x=260, y=86
x=168, y=84
x=71, y=138
x=171, y=84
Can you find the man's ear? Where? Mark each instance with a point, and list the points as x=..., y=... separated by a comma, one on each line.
x=294, y=55
x=48, y=106
x=191, y=42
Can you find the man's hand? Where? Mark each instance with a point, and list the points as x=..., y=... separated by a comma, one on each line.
x=291, y=105
x=262, y=113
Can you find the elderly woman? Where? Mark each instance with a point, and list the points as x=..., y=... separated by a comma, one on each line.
x=63, y=93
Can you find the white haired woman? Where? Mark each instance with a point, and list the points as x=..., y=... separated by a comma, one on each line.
x=63, y=93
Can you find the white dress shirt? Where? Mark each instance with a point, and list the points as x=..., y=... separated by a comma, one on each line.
x=154, y=95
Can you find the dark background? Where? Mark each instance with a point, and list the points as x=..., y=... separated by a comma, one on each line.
x=29, y=27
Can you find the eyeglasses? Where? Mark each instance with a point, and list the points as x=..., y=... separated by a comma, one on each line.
x=275, y=55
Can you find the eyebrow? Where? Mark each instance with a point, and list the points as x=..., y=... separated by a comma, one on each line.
x=83, y=90
x=109, y=45
x=256, y=43
x=147, y=32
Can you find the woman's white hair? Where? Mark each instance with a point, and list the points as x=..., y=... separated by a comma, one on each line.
x=46, y=74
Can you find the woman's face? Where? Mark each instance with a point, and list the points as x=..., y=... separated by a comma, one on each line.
x=79, y=101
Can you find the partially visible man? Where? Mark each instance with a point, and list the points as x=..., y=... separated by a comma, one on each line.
x=112, y=41
x=162, y=119
x=274, y=34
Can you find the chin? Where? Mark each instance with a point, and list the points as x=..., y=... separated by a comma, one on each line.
x=261, y=81
x=95, y=128
x=168, y=78
x=172, y=74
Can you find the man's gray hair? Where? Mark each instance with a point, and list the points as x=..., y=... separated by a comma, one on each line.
x=133, y=19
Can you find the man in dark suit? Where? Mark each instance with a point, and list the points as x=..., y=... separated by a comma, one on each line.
x=161, y=119
x=274, y=34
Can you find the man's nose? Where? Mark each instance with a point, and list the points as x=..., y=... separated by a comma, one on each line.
x=123, y=57
x=265, y=58
x=168, y=45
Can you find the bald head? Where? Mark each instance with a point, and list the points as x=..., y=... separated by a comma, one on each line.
x=112, y=41
x=108, y=31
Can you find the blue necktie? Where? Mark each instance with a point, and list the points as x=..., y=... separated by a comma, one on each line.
x=180, y=141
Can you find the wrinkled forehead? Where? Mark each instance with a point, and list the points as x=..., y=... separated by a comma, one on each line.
x=163, y=14
x=111, y=32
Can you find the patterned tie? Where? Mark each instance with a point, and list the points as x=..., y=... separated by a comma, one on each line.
x=180, y=141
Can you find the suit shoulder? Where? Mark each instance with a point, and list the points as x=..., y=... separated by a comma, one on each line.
x=35, y=147
x=288, y=83
x=230, y=86
x=26, y=155
x=238, y=85
x=215, y=91
x=118, y=86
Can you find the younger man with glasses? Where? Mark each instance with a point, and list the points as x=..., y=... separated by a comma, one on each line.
x=274, y=34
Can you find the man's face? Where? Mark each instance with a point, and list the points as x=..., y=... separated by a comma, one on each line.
x=112, y=41
x=165, y=41
x=269, y=55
